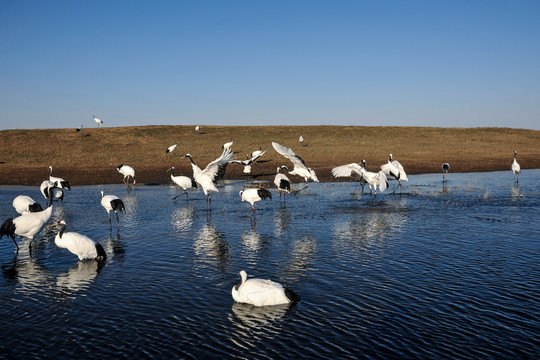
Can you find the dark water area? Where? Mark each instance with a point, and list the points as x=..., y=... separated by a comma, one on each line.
x=439, y=271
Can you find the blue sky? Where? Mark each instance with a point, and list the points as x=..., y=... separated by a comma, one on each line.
x=405, y=63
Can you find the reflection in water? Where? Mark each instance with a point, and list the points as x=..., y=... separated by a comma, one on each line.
x=256, y=317
x=182, y=218
x=300, y=256
x=282, y=220
x=31, y=277
x=515, y=191
x=210, y=245
x=80, y=276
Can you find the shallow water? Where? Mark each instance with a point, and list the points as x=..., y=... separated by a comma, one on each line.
x=439, y=271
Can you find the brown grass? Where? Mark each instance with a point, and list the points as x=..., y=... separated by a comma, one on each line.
x=91, y=157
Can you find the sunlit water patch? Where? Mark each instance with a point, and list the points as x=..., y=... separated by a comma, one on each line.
x=431, y=271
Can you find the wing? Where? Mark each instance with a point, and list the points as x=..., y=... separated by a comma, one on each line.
x=402, y=174
x=347, y=170
x=289, y=154
x=389, y=168
x=216, y=169
x=383, y=182
x=313, y=175
x=256, y=157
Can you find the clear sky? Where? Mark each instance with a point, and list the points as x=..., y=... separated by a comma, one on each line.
x=408, y=63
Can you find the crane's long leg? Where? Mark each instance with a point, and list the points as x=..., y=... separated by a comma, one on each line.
x=17, y=246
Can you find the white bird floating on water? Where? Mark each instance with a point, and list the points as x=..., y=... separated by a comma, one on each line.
x=170, y=149
x=247, y=163
x=394, y=170
x=78, y=244
x=59, y=182
x=25, y=204
x=516, y=169
x=51, y=192
x=213, y=172
x=185, y=182
x=98, y=121
x=445, y=169
x=254, y=195
x=112, y=203
x=128, y=172
x=300, y=167
x=261, y=292
x=26, y=225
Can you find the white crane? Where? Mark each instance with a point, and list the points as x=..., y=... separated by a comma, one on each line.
x=112, y=203
x=98, y=121
x=516, y=169
x=254, y=195
x=59, y=182
x=185, y=182
x=227, y=146
x=282, y=182
x=128, y=172
x=394, y=170
x=26, y=225
x=301, y=139
x=375, y=179
x=247, y=163
x=25, y=204
x=170, y=149
x=51, y=192
x=212, y=173
x=351, y=170
x=300, y=167
x=445, y=169
x=262, y=292
x=197, y=128
x=78, y=244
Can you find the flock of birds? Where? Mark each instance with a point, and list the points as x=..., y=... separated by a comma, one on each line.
x=258, y=292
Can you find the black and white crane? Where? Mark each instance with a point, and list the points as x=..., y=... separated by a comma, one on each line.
x=170, y=149
x=112, y=203
x=394, y=170
x=26, y=225
x=98, y=121
x=247, y=163
x=128, y=172
x=375, y=180
x=254, y=195
x=282, y=182
x=51, y=192
x=445, y=169
x=516, y=169
x=300, y=167
x=185, y=182
x=352, y=170
x=78, y=244
x=262, y=292
x=227, y=146
x=301, y=139
x=25, y=204
x=59, y=182
x=212, y=173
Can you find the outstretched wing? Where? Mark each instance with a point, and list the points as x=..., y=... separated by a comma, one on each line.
x=347, y=170
x=383, y=182
x=216, y=169
x=402, y=174
x=256, y=157
x=289, y=154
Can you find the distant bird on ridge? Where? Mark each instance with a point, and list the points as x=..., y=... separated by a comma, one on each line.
x=98, y=121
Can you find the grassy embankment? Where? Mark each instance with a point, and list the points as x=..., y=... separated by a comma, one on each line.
x=91, y=157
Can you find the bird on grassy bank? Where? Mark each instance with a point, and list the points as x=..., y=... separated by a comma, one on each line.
x=59, y=182
x=26, y=225
x=212, y=173
x=51, y=192
x=282, y=183
x=394, y=170
x=112, y=203
x=78, y=244
x=170, y=149
x=516, y=169
x=262, y=292
x=25, y=204
x=300, y=167
x=254, y=195
x=247, y=163
x=301, y=139
x=128, y=172
x=445, y=169
x=227, y=146
x=185, y=182
x=98, y=121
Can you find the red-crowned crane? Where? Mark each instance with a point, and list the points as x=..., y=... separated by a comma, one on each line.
x=59, y=182
x=25, y=204
x=300, y=167
x=170, y=149
x=112, y=203
x=247, y=163
x=78, y=244
x=394, y=170
x=282, y=183
x=98, y=121
x=26, y=225
x=262, y=292
x=254, y=195
x=185, y=182
x=445, y=169
x=51, y=192
x=128, y=172
x=516, y=169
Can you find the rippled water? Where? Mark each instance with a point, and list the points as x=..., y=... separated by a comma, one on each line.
x=437, y=272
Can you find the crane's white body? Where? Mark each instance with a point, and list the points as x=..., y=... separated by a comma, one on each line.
x=57, y=181
x=28, y=225
x=375, y=180
x=170, y=149
x=352, y=170
x=300, y=167
x=128, y=172
x=516, y=169
x=394, y=170
x=78, y=244
x=24, y=204
x=282, y=182
x=259, y=292
x=184, y=182
x=47, y=186
x=227, y=146
x=254, y=195
x=98, y=121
